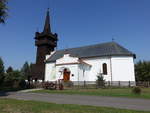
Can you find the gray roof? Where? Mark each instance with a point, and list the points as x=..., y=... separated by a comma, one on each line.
x=97, y=50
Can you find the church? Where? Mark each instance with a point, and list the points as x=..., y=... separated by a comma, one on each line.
x=110, y=59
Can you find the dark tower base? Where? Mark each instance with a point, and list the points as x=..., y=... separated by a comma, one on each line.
x=37, y=72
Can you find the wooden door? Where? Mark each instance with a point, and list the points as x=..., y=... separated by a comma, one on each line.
x=66, y=76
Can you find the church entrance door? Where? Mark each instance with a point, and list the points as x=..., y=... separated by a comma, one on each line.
x=66, y=75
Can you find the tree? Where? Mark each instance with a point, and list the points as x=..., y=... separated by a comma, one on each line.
x=14, y=79
x=3, y=10
x=26, y=70
x=142, y=71
x=2, y=71
x=10, y=69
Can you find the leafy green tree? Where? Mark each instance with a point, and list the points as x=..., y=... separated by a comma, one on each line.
x=142, y=71
x=2, y=71
x=10, y=69
x=3, y=10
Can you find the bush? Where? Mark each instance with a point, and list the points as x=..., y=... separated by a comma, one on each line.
x=100, y=80
x=137, y=90
x=49, y=85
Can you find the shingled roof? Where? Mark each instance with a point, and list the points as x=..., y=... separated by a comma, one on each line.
x=97, y=50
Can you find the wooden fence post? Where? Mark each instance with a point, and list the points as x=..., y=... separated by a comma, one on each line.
x=84, y=83
x=129, y=84
x=119, y=83
x=147, y=83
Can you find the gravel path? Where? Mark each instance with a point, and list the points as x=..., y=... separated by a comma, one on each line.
x=116, y=102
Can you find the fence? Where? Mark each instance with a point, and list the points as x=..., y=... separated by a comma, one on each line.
x=143, y=83
x=94, y=84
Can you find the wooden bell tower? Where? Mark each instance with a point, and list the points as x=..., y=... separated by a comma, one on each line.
x=46, y=42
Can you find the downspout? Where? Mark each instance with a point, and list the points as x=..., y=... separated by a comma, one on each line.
x=78, y=75
x=83, y=71
x=111, y=69
x=134, y=57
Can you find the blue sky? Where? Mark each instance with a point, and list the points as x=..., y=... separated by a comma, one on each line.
x=78, y=23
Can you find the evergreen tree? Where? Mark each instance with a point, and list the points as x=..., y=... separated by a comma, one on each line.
x=142, y=71
x=3, y=10
x=10, y=69
x=2, y=71
x=26, y=70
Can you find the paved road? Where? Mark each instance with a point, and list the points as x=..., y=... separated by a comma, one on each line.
x=116, y=102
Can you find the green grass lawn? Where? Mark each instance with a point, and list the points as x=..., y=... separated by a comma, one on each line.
x=20, y=106
x=115, y=92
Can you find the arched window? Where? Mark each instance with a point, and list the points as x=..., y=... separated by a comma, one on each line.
x=104, y=68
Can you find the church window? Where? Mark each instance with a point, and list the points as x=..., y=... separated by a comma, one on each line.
x=104, y=68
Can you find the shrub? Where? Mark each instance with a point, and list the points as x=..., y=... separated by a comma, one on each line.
x=137, y=90
x=100, y=80
x=49, y=85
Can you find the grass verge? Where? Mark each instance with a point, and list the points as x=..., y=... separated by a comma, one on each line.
x=20, y=106
x=116, y=92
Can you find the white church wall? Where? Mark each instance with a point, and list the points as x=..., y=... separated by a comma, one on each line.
x=96, y=68
x=84, y=70
x=123, y=69
x=50, y=72
x=82, y=74
x=118, y=69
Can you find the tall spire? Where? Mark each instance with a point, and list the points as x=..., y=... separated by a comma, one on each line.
x=47, y=28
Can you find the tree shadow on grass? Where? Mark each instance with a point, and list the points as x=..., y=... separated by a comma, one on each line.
x=3, y=93
x=7, y=91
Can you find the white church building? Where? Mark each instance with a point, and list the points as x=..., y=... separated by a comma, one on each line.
x=111, y=60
